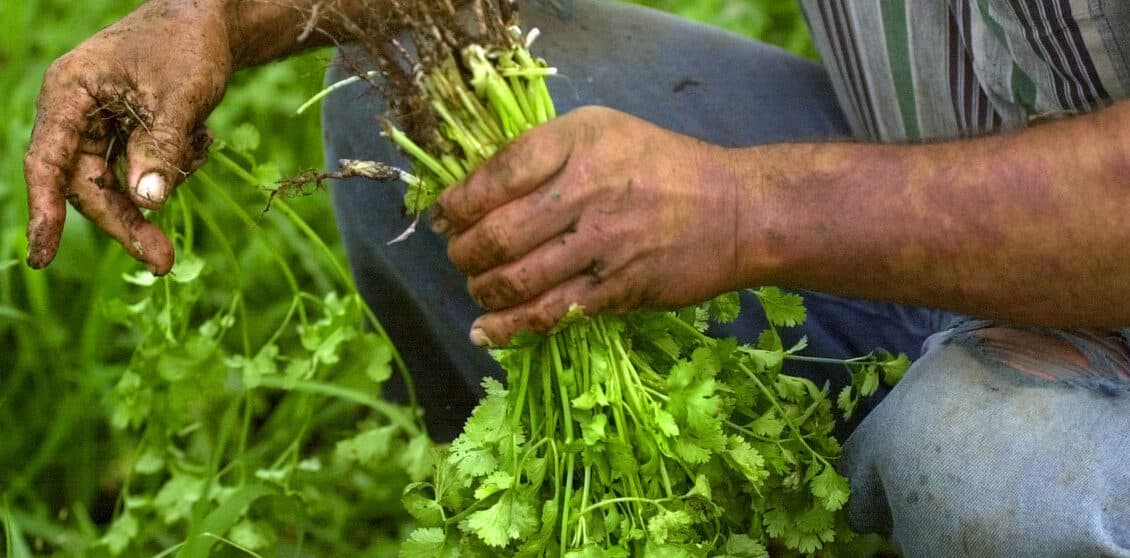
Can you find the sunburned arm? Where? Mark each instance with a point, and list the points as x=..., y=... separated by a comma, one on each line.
x=1028, y=226
x=265, y=30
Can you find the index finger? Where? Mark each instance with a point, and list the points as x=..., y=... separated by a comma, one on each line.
x=48, y=165
x=516, y=170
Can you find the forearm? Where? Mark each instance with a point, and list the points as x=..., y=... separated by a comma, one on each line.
x=263, y=30
x=1028, y=226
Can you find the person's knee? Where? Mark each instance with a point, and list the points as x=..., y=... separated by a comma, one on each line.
x=968, y=459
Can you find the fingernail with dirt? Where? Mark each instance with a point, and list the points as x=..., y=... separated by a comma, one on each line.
x=440, y=225
x=35, y=260
x=153, y=188
x=480, y=339
x=38, y=255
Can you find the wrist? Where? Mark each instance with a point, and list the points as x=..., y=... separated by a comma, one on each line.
x=259, y=32
x=764, y=243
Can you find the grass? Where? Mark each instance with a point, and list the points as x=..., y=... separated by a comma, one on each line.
x=239, y=402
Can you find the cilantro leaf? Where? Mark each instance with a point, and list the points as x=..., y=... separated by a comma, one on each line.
x=690, y=451
x=669, y=526
x=743, y=546
x=777, y=523
x=252, y=535
x=120, y=534
x=378, y=355
x=725, y=308
x=666, y=422
x=508, y=519
x=781, y=309
x=495, y=482
x=367, y=447
x=830, y=489
x=894, y=368
x=845, y=402
x=747, y=461
x=418, y=457
x=593, y=429
x=428, y=542
x=425, y=510
x=769, y=425
x=592, y=398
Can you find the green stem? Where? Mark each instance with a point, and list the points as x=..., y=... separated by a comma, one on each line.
x=342, y=273
x=419, y=155
x=864, y=360
x=627, y=499
x=208, y=181
x=523, y=384
x=394, y=414
x=333, y=87
x=794, y=430
x=568, y=424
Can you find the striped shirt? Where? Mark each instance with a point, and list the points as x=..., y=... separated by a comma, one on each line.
x=921, y=70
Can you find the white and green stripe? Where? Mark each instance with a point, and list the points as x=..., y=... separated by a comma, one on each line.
x=921, y=70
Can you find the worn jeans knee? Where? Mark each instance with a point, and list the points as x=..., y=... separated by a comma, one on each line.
x=972, y=456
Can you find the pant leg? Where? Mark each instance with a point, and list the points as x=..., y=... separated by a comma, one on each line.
x=989, y=449
x=684, y=76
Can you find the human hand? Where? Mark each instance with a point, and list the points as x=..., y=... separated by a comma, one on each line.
x=595, y=208
x=134, y=96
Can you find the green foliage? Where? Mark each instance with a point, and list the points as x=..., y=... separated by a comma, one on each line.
x=608, y=442
x=233, y=405
x=781, y=309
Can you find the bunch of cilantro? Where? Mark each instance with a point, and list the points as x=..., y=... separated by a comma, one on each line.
x=613, y=436
x=642, y=436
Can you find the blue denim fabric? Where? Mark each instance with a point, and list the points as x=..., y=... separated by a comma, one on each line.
x=968, y=456
x=955, y=462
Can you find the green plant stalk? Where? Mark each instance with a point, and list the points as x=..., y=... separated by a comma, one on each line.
x=518, y=98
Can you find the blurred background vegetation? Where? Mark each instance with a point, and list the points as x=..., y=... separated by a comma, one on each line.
x=135, y=412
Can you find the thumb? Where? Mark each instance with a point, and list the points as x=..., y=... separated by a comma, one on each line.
x=159, y=157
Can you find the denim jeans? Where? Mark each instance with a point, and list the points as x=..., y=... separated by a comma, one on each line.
x=974, y=453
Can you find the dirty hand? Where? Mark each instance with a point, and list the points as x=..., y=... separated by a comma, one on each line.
x=596, y=208
x=135, y=94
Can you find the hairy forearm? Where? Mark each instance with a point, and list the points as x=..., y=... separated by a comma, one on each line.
x=264, y=30
x=1028, y=226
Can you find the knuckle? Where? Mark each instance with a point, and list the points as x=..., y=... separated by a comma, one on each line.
x=42, y=172
x=631, y=298
x=166, y=140
x=640, y=292
x=459, y=205
x=497, y=240
x=498, y=171
x=56, y=71
x=523, y=148
x=542, y=317
x=31, y=160
x=590, y=111
x=458, y=254
x=504, y=291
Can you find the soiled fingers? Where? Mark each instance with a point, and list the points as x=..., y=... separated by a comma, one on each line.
x=61, y=119
x=542, y=313
x=94, y=192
